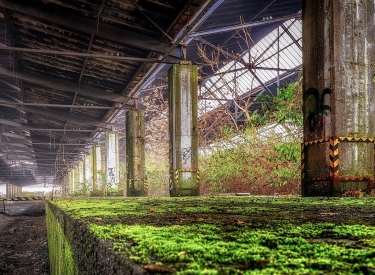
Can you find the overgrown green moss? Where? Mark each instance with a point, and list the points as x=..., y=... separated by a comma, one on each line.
x=233, y=235
x=60, y=253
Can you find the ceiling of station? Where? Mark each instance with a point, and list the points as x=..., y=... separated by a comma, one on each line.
x=69, y=67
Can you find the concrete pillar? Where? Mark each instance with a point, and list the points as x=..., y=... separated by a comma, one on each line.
x=135, y=153
x=65, y=186
x=75, y=176
x=81, y=177
x=88, y=172
x=98, y=168
x=339, y=96
x=7, y=190
x=183, y=129
x=10, y=190
x=112, y=160
x=70, y=182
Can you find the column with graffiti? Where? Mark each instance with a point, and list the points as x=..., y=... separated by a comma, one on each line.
x=112, y=161
x=339, y=96
x=183, y=129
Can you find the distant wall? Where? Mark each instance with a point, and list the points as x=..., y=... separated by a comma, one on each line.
x=73, y=250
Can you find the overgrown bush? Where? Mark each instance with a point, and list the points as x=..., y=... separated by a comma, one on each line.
x=264, y=156
x=157, y=171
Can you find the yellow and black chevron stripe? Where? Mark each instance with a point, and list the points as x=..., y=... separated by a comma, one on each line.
x=176, y=174
x=198, y=177
x=24, y=199
x=317, y=141
x=356, y=139
x=334, y=162
x=347, y=139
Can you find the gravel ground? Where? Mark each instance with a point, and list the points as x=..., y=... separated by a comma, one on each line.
x=23, y=238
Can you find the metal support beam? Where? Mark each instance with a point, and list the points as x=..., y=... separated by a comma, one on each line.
x=24, y=127
x=236, y=58
x=183, y=129
x=7, y=103
x=78, y=119
x=63, y=85
x=292, y=37
x=247, y=25
x=135, y=154
x=89, y=55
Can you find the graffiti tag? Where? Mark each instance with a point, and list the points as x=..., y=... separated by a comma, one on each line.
x=185, y=153
x=315, y=108
x=111, y=176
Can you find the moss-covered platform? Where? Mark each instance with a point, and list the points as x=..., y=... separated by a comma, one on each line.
x=218, y=235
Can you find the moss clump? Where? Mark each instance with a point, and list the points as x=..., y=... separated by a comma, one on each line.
x=231, y=235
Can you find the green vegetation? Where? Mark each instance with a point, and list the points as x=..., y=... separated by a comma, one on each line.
x=236, y=235
x=257, y=158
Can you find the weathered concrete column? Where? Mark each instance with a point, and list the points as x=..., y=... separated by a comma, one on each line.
x=98, y=168
x=7, y=190
x=88, y=170
x=75, y=175
x=70, y=182
x=112, y=160
x=81, y=177
x=183, y=129
x=135, y=154
x=11, y=190
x=339, y=96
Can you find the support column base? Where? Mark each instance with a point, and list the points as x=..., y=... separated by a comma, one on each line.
x=184, y=187
x=334, y=184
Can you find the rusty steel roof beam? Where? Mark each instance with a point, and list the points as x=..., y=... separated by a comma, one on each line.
x=88, y=55
x=63, y=85
x=247, y=25
x=78, y=119
x=6, y=103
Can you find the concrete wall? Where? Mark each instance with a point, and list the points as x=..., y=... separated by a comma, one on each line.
x=73, y=250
